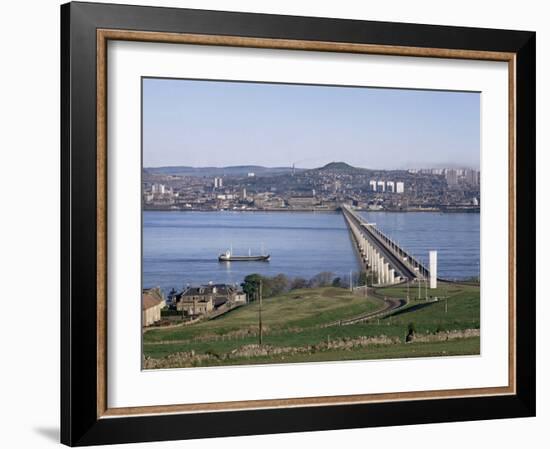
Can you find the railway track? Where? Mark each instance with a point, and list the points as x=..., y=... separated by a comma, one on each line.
x=390, y=305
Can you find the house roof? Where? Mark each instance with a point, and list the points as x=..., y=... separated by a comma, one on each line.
x=221, y=289
x=149, y=300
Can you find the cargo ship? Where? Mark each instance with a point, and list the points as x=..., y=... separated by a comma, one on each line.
x=228, y=256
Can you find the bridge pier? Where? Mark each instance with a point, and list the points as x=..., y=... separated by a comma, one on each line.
x=379, y=253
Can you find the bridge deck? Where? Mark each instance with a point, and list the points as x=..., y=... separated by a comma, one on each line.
x=402, y=262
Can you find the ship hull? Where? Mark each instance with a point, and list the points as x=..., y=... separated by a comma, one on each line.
x=224, y=258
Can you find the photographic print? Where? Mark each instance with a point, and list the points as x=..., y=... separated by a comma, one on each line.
x=291, y=223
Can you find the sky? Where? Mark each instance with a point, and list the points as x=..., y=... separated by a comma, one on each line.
x=223, y=123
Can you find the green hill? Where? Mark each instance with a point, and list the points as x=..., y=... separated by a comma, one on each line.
x=302, y=326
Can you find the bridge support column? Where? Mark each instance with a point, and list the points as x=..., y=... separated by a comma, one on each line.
x=369, y=255
x=392, y=276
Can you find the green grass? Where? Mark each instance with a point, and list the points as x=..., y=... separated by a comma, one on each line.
x=297, y=309
x=465, y=346
x=462, y=307
x=298, y=319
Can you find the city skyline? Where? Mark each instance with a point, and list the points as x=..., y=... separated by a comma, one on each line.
x=223, y=123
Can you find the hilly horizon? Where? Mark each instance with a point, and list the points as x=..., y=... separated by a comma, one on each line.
x=329, y=166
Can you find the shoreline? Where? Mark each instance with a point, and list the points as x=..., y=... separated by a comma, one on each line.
x=442, y=211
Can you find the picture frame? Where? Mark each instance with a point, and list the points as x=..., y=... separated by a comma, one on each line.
x=86, y=28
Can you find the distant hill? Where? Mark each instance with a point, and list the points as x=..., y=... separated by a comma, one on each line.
x=340, y=166
x=237, y=170
x=337, y=166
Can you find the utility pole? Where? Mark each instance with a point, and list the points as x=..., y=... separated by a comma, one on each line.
x=350, y=280
x=260, y=314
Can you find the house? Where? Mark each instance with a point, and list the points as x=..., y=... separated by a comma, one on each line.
x=152, y=302
x=197, y=301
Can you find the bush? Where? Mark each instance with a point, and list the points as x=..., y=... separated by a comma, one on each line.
x=323, y=279
x=298, y=283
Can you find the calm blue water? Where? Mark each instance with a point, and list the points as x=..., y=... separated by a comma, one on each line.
x=454, y=236
x=182, y=247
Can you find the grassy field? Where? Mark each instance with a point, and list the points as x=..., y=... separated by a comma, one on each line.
x=295, y=330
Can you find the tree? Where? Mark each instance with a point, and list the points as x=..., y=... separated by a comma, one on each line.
x=337, y=282
x=251, y=285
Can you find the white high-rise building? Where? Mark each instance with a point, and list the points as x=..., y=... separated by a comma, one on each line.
x=381, y=185
x=390, y=186
x=158, y=189
x=218, y=183
x=400, y=187
x=451, y=175
x=372, y=185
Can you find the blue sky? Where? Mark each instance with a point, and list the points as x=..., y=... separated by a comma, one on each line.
x=222, y=123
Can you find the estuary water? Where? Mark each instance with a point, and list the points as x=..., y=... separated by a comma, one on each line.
x=181, y=248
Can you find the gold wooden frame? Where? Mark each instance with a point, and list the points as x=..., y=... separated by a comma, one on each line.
x=104, y=35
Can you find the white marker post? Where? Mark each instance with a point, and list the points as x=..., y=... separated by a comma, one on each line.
x=433, y=269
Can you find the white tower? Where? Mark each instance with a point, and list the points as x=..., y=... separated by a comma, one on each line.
x=433, y=269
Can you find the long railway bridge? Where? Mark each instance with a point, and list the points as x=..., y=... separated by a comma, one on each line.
x=379, y=253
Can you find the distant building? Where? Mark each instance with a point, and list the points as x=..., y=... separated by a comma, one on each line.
x=400, y=187
x=471, y=177
x=372, y=185
x=197, y=301
x=302, y=201
x=152, y=302
x=159, y=189
x=381, y=186
x=251, y=174
x=195, y=305
x=390, y=186
x=451, y=176
x=218, y=183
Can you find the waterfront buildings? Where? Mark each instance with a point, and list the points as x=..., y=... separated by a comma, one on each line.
x=322, y=189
